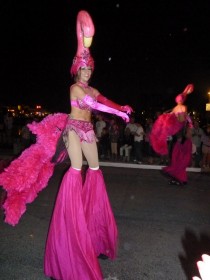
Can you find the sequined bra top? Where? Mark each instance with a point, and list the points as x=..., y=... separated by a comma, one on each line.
x=79, y=103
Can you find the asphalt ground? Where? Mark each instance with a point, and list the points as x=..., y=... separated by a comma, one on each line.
x=163, y=229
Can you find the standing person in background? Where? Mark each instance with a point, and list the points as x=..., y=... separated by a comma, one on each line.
x=206, y=148
x=114, y=137
x=168, y=124
x=148, y=148
x=126, y=148
x=82, y=227
x=104, y=144
x=99, y=125
x=181, y=158
x=197, y=134
x=138, y=143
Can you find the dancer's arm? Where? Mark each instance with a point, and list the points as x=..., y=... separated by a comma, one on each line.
x=102, y=99
x=101, y=107
x=78, y=92
x=189, y=120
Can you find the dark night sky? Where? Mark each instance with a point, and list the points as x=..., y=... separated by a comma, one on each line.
x=155, y=49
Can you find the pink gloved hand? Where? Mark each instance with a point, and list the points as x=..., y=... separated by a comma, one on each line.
x=124, y=116
x=204, y=268
x=189, y=120
x=127, y=109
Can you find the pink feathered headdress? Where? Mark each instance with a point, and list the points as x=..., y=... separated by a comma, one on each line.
x=85, y=28
x=182, y=96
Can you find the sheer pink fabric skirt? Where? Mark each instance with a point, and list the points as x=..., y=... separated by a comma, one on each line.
x=181, y=159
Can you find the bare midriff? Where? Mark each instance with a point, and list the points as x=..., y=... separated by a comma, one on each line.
x=82, y=115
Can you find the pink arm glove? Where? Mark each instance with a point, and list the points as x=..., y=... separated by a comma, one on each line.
x=101, y=107
x=102, y=99
x=189, y=121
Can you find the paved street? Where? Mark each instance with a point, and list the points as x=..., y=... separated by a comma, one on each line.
x=162, y=228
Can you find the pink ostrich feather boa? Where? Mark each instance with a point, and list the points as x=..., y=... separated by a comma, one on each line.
x=166, y=125
x=28, y=174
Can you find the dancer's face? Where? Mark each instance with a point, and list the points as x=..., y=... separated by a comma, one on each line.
x=85, y=74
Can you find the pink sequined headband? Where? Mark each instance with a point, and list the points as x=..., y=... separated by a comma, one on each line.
x=85, y=28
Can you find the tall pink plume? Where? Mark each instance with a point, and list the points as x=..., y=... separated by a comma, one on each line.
x=85, y=28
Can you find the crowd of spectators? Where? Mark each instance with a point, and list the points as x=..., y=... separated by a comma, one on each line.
x=117, y=140
x=14, y=133
x=130, y=142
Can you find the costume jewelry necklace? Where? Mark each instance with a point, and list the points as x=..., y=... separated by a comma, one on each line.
x=85, y=85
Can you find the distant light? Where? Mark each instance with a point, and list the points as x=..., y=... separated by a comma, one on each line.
x=117, y=5
x=109, y=58
x=209, y=96
x=185, y=29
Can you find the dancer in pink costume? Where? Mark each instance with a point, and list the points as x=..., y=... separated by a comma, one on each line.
x=181, y=159
x=82, y=226
x=168, y=124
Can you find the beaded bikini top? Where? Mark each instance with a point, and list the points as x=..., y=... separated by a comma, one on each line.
x=80, y=103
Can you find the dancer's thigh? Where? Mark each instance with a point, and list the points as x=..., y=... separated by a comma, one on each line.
x=74, y=150
x=90, y=152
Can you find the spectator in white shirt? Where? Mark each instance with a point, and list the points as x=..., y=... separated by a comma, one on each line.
x=138, y=143
x=100, y=124
x=125, y=149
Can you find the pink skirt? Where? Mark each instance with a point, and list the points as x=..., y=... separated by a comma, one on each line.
x=82, y=228
x=83, y=129
x=181, y=159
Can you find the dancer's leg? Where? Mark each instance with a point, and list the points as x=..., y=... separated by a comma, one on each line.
x=74, y=150
x=69, y=251
x=98, y=212
x=91, y=154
